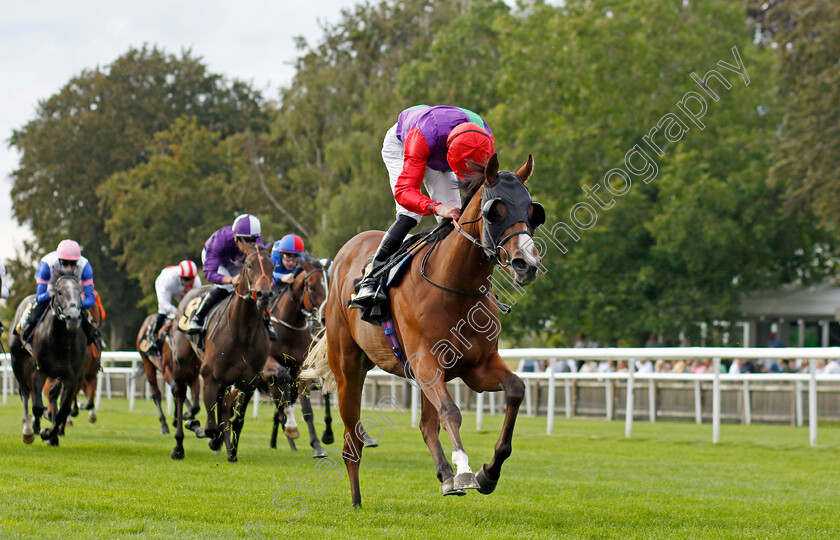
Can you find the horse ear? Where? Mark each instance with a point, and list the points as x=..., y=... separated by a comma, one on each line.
x=524, y=172
x=491, y=170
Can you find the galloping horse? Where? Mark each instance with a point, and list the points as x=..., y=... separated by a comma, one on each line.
x=235, y=354
x=292, y=315
x=164, y=363
x=446, y=318
x=58, y=351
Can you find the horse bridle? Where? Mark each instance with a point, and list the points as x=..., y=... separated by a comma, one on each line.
x=488, y=245
x=311, y=313
x=54, y=306
x=252, y=291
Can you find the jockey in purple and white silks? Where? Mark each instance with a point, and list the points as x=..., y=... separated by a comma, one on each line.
x=66, y=259
x=172, y=284
x=222, y=259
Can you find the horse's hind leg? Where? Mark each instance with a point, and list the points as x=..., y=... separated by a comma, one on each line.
x=430, y=428
x=195, y=406
x=38, y=380
x=344, y=362
x=28, y=432
x=499, y=377
x=151, y=377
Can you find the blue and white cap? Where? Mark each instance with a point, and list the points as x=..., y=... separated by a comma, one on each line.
x=246, y=225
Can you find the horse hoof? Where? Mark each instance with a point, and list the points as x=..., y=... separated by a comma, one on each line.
x=28, y=438
x=466, y=481
x=199, y=432
x=485, y=484
x=45, y=434
x=327, y=437
x=92, y=417
x=69, y=422
x=371, y=443
x=448, y=488
x=292, y=432
x=232, y=459
x=164, y=429
x=215, y=444
x=177, y=453
x=319, y=453
x=73, y=414
x=53, y=442
x=194, y=425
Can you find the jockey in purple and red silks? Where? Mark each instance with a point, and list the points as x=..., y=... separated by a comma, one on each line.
x=221, y=260
x=432, y=147
x=66, y=259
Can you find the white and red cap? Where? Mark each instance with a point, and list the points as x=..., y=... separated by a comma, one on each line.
x=69, y=250
x=187, y=269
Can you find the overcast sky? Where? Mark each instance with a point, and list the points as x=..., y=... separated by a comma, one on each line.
x=44, y=43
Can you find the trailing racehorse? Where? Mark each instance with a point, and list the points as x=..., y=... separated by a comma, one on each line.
x=59, y=348
x=235, y=353
x=445, y=316
x=293, y=315
x=163, y=362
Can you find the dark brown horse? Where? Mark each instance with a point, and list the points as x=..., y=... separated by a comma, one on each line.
x=58, y=352
x=446, y=319
x=294, y=315
x=163, y=362
x=235, y=353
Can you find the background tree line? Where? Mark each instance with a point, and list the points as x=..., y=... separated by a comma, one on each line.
x=142, y=160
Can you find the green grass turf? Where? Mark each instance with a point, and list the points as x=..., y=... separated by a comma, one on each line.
x=115, y=479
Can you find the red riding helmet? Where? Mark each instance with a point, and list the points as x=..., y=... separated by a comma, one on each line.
x=468, y=142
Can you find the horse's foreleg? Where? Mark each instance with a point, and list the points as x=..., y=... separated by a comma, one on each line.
x=514, y=389
x=430, y=428
x=308, y=417
x=68, y=394
x=434, y=389
x=179, y=391
x=240, y=406
x=327, y=436
x=211, y=398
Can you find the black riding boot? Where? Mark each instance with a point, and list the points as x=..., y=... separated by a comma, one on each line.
x=369, y=293
x=272, y=333
x=156, y=343
x=197, y=320
x=91, y=332
x=32, y=321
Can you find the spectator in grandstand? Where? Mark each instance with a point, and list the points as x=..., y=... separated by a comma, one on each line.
x=590, y=366
x=748, y=366
x=529, y=366
x=644, y=366
x=833, y=367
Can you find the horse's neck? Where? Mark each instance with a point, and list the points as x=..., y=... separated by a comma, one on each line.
x=288, y=309
x=460, y=264
x=245, y=319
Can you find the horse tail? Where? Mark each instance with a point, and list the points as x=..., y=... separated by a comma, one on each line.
x=317, y=364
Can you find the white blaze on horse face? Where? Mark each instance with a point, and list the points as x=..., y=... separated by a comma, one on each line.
x=461, y=461
x=527, y=248
x=290, y=416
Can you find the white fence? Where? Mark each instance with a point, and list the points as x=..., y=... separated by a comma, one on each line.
x=131, y=369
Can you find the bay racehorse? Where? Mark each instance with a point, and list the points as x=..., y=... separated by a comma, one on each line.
x=446, y=318
x=294, y=315
x=163, y=363
x=235, y=352
x=58, y=352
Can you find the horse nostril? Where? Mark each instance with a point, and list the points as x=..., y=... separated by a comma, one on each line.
x=519, y=265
